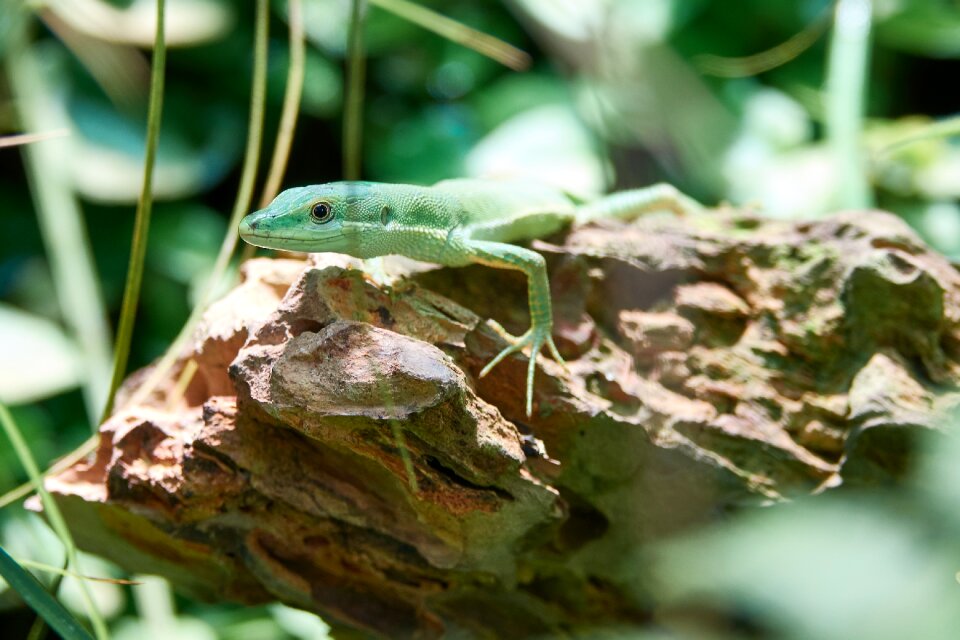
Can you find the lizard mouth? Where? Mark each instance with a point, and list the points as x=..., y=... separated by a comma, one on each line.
x=291, y=241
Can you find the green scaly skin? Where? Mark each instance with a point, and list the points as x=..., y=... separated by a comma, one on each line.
x=453, y=223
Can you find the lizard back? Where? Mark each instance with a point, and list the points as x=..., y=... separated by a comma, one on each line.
x=508, y=210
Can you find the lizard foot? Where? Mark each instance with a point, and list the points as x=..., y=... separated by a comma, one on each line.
x=535, y=338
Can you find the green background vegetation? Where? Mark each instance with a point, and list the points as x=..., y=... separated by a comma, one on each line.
x=617, y=94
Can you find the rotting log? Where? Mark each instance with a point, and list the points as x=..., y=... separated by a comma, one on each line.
x=714, y=361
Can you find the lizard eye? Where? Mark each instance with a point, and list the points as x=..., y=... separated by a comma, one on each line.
x=321, y=212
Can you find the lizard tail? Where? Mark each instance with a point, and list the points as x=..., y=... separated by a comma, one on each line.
x=636, y=202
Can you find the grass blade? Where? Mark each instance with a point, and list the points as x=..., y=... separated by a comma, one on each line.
x=40, y=601
x=141, y=226
x=54, y=517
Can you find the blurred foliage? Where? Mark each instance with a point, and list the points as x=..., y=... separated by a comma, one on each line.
x=855, y=564
x=618, y=95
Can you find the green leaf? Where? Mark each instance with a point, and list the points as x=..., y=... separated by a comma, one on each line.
x=188, y=22
x=922, y=28
x=40, y=601
x=198, y=146
x=831, y=568
x=300, y=624
x=38, y=358
x=546, y=145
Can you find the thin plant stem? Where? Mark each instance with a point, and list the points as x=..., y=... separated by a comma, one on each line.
x=291, y=104
x=740, y=67
x=288, y=114
x=141, y=226
x=241, y=206
x=30, y=138
x=42, y=566
x=54, y=517
x=183, y=381
x=485, y=44
x=845, y=96
x=945, y=128
x=353, y=105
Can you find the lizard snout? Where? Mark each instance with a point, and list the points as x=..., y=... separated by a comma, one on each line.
x=248, y=226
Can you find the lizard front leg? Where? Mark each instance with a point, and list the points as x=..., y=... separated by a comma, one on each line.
x=507, y=256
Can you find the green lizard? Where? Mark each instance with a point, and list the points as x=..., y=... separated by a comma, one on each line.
x=453, y=223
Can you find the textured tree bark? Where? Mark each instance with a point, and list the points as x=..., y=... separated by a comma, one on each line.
x=715, y=361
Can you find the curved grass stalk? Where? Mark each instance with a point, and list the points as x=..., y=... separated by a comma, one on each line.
x=241, y=206
x=141, y=226
x=485, y=44
x=741, y=67
x=54, y=517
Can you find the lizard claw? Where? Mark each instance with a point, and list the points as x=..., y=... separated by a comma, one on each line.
x=535, y=338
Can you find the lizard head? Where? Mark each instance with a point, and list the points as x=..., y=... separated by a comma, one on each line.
x=324, y=217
